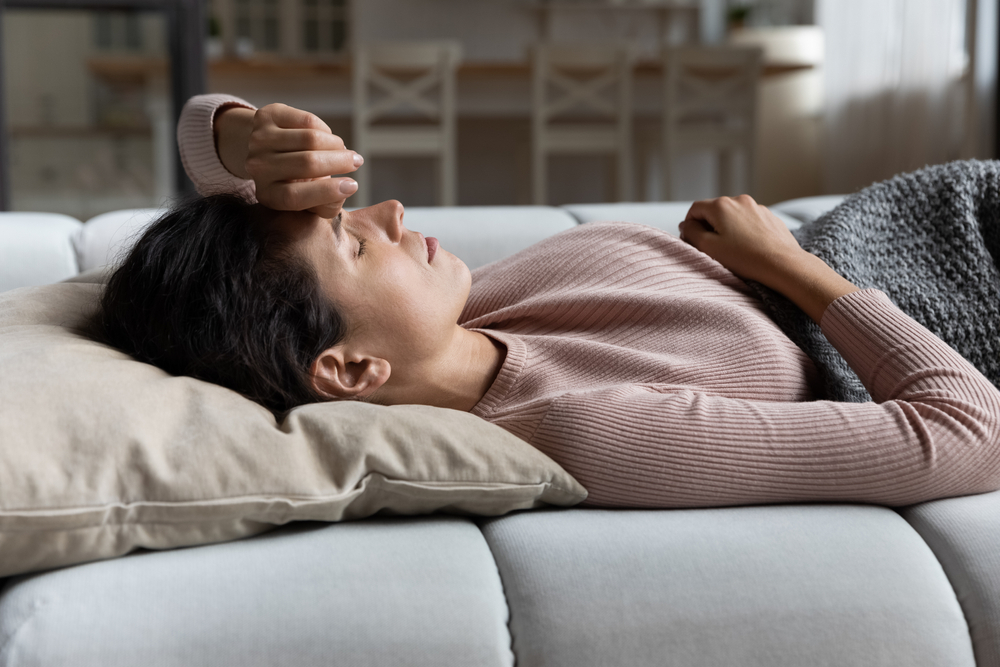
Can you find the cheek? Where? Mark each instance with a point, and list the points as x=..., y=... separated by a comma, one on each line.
x=406, y=299
x=414, y=305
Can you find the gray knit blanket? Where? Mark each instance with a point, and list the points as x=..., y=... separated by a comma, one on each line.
x=930, y=240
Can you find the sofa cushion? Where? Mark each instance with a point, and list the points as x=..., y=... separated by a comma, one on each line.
x=36, y=249
x=102, y=454
x=767, y=586
x=379, y=592
x=964, y=534
x=662, y=215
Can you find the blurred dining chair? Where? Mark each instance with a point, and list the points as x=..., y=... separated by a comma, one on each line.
x=581, y=104
x=710, y=104
x=404, y=106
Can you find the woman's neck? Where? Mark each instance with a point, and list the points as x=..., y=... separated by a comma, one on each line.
x=458, y=379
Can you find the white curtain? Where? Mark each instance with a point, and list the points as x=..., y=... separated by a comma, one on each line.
x=895, y=77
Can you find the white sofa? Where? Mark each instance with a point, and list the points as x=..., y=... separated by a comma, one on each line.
x=810, y=584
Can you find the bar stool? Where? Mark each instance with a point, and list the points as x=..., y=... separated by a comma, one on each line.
x=581, y=104
x=392, y=82
x=710, y=103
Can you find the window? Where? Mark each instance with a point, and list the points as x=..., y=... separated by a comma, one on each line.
x=279, y=29
x=324, y=26
x=118, y=31
x=258, y=24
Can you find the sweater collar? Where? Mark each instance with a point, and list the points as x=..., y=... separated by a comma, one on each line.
x=510, y=371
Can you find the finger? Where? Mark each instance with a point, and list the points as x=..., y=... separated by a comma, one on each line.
x=301, y=165
x=288, y=140
x=706, y=210
x=304, y=195
x=288, y=117
x=696, y=232
x=328, y=211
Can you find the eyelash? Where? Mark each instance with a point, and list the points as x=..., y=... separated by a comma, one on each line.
x=361, y=247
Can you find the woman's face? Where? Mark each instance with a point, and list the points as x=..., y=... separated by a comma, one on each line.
x=400, y=293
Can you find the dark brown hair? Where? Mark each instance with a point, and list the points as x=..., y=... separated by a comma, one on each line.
x=213, y=291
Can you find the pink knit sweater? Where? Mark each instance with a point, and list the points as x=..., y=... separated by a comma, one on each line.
x=651, y=373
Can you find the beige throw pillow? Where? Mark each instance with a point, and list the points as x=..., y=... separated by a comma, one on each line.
x=101, y=454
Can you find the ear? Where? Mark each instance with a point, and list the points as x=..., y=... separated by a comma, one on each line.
x=338, y=374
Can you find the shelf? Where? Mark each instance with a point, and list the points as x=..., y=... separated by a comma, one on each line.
x=624, y=5
x=137, y=67
x=76, y=132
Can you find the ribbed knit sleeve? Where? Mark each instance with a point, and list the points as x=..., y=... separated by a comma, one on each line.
x=196, y=142
x=933, y=430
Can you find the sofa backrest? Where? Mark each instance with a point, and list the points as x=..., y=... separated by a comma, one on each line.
x=479, y=235
x=36, y=249
x=476, y=234
x=39, y=248
x=104, y=238
x=807, y=209
x=668, y=215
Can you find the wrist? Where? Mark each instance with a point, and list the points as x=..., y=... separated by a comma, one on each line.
x=810, y=283
x=231, y=128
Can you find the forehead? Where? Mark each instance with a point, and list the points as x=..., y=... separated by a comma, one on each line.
x=296, y=226
x=303, y=234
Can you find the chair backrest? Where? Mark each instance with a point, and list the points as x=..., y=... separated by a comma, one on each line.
x=399, y=78
x=582, y=80
x=711, y=84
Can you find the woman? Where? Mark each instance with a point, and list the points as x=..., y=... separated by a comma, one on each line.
x=638, y=361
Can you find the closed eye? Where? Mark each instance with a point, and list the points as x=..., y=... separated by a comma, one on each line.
x=361, y=247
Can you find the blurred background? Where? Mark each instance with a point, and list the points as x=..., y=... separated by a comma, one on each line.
x=840, y=93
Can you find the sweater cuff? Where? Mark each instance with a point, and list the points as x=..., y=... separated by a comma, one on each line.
x=196, y=142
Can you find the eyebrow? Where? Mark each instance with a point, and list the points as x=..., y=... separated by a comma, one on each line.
x=336, y=226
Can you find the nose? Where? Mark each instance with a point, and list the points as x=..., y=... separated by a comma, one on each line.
x=390, y=218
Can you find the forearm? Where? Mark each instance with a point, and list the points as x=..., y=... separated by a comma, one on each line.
x=231, y=129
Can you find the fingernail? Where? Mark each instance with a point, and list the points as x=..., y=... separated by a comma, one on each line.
x=358, y=160
x=348, y=187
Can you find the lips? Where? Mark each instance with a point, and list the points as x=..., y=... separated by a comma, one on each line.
x=432, y=248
